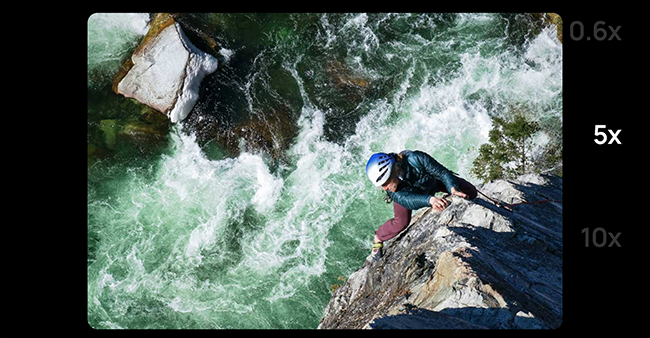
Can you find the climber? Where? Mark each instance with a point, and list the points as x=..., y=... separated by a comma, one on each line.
x=410, y=179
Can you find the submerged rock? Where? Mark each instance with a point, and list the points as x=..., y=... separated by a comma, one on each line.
x=270, y=133
x=343, y=77
x=142, y=132
x=474, y=265
x=166, y=70
x=109, y=129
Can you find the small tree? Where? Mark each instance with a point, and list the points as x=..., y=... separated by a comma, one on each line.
x=510, y=143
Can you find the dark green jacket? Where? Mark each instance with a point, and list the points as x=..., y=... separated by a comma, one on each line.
x=422, y=177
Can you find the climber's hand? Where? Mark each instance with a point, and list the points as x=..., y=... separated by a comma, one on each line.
x=438, y=204
x=458, y=193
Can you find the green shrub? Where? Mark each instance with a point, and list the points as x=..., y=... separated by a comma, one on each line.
x=507, y=154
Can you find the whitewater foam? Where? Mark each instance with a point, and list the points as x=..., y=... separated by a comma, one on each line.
x=223, y=188
x=110, y=37
x=226, y=53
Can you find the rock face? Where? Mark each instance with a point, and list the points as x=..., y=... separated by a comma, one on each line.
x=166, y=70
x=473, y=265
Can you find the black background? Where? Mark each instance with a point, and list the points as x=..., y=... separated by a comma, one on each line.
x=604, y=185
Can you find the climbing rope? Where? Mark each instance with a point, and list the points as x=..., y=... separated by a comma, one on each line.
x=508, y=207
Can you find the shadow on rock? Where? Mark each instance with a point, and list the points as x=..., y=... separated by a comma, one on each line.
x=452, y=319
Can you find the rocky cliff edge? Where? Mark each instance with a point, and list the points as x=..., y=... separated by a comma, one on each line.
x=472, y=266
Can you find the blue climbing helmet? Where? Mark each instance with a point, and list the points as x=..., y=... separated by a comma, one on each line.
x=379, y=167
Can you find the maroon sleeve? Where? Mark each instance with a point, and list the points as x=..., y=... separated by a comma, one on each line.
x=467, y=188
